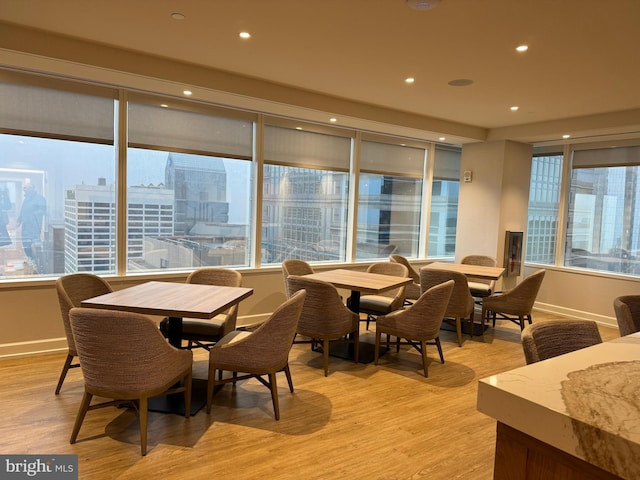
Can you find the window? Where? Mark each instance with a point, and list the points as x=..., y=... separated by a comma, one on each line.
x=188, y=188
x=57, y=214
x=544, y=204
x=604, y=210
x=444, y=202
x=389, y=200
x=305, y=195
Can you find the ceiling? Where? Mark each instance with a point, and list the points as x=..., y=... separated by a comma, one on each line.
x=583, y=56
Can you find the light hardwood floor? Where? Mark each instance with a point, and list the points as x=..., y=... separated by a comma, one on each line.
x=360, y=422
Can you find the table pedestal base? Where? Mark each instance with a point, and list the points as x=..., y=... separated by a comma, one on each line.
x=174, y=403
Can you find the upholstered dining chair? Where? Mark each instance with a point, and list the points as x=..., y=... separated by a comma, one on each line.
x=324, y=319
x=204, y=333
x=264, y=351
x=294, y=266
x=515, y=304
x=480, y=287
x=411, y=290
x=419, y=324
x=461, y=305
x=72, y=289
x=550, y=338
x=627, y=309
x=385, y=302
x=125, y=358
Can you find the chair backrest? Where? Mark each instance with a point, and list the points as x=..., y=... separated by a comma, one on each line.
x=484, y=261
x=413, y=273
x=550, y=338
x=72, y=290
x=224, y=277
x=424, y=318
x=268, y=346
x=123, y=352
x=461, y=302
x=323, y=312
x=520, y=299
x=396, y=270
x=294, y=267
x=627, y=308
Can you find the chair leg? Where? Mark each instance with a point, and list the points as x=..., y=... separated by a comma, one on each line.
x=356, y=346
x=188, y=382
x=471, y=323
x=459, y=330
x=377, y=348
x=63, y=374
x=325, y=352
x=287, y=372
x=142, y=412
x=82, y=411
x=423, y=350
x=274, y=394
x=437, y=340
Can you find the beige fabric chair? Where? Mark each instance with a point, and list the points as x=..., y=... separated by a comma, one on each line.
x=627, y=308
x=324, y=319
x=124, y=357
x=295, y=267
x=385, y=302
x=412, y=290
x=461, y=304
x=550, y=338
x=480, y=287
x=418, y=324
x=72, y=290
x=515, y=304
x=264, y=351
x=204, y=333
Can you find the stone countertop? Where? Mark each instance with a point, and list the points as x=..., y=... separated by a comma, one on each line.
x=585, y=403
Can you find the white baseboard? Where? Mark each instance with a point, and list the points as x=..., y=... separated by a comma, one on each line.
x=37, y=347
x=573, y=313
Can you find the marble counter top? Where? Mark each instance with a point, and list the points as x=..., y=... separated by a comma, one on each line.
x=585, y=403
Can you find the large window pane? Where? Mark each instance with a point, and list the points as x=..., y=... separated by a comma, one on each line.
x=604, y=219
x=445, y=191
x=305, y=195
x=544, y=204
x=187, y=210
x=389, y=200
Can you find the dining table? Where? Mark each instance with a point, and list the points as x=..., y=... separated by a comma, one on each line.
x=175, y=301
x=476, y=271
x=359, y=283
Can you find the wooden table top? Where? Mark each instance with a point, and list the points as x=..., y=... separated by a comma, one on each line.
x=171, y=299
x=363, y=282
x=479, y=271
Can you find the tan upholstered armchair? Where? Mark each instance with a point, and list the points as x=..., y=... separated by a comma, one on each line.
x=418, y=324
x=72, y=290
x=550, y=338
x=124, y=357
x=480, y=287
x=411, y=290
x=627, y=308
x=204, y=333
x=385, y=302
x=264, y=351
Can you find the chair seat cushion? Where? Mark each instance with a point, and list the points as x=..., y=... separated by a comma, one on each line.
x=232, y=337
x=480, y=289
x=375, y=304
x=196, y=329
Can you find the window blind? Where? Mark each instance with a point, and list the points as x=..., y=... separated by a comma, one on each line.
x=391, y=159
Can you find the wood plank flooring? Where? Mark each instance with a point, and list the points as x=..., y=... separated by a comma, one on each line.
x=360, y=422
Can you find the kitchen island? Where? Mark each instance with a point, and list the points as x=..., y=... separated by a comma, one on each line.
x=576, y=416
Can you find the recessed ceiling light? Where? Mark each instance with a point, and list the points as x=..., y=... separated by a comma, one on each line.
x=461, y=82
x=566, y=136
x=164, y=105
x=522, y=48
x=442, y=139
x=298, y=128
x=245, y=35
x=187, y=92
x=333, y=119
x=177, y=16
x=515, y=108
x=409, y=80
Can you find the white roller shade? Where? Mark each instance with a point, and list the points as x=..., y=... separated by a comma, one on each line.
x=189, y=131
x=447, y=164
x=385, y=158
x=287, y=146
x=606, y=157
x=58, y=113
